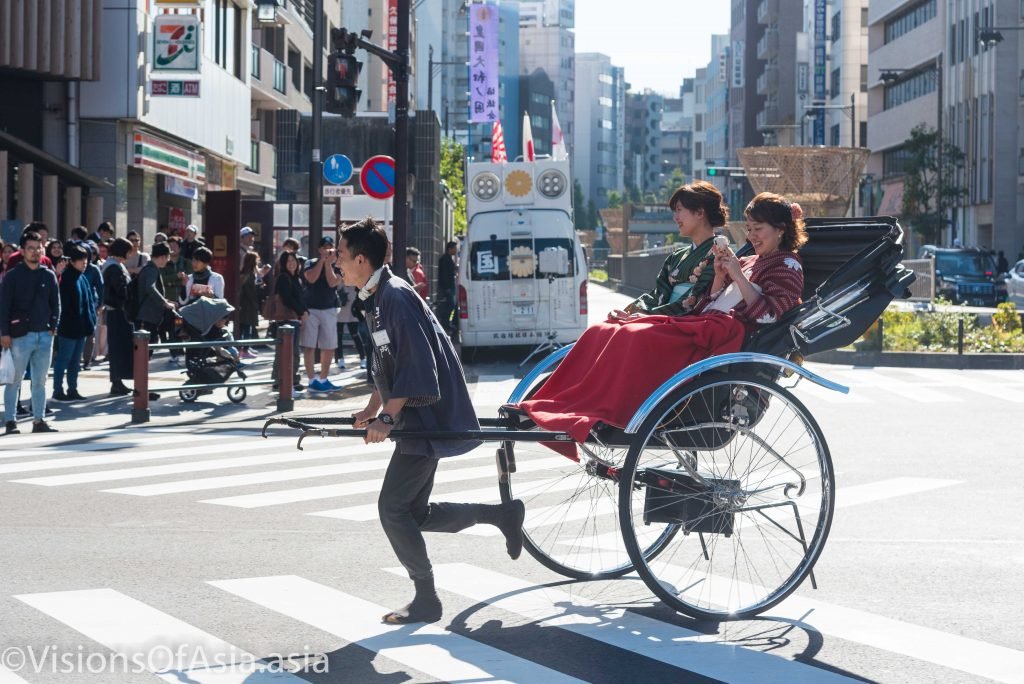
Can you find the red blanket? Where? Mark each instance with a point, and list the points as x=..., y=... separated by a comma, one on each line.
x=615, y=367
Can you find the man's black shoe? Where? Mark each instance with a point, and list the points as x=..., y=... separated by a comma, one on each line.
x=11, y=428
x=511, y=526
x=41, y=426
x=119, y=389
x=73, y=395
x=22, y=411
x=58, y=395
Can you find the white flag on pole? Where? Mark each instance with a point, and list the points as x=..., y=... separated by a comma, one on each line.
x=558, y=151
x=528, y=151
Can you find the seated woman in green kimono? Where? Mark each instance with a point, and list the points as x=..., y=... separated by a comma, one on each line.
x=697, y=208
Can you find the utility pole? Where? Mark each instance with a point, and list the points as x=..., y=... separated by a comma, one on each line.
x=401, y=200
x=316, y=165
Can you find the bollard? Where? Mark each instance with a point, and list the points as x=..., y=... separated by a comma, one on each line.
x=285, y=363
x=960, y=336
x=140, y=374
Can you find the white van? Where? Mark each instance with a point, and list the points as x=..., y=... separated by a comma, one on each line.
x=522, y=271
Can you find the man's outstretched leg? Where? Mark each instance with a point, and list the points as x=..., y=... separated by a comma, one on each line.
x=405, y=514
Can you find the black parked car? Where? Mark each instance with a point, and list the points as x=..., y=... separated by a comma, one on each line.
x=966, y=276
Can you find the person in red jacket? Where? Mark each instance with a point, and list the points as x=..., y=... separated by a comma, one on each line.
x=418, y=277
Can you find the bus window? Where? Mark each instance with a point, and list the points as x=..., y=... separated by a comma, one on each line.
x=489, y=260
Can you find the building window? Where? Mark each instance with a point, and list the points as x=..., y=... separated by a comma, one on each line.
x=834, y=135
x=227, y=37
x=835, y=88
x=894, y=161
x=910, y=18
x=307, y=80
x=863, y=133
x=837, y=23
x=863, y=78
x=295, y=64
x=864, y=17
x=911, y=88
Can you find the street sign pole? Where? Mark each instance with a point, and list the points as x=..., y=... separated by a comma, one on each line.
x=316, y=167
x=401, y=217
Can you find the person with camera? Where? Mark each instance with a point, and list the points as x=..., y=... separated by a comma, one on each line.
x=320, y=330
x=153, y=303
x=29, y=316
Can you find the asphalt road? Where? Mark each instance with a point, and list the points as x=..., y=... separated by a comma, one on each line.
x=192, y=541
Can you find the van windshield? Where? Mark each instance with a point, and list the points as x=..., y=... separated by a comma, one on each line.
x=503, y=259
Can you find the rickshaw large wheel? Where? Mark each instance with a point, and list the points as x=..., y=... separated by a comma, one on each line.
x=740, y=466
x=572, y=522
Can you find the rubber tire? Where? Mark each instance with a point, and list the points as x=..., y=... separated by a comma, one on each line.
x=815, y=545
x=236, y=395
x=188, y=396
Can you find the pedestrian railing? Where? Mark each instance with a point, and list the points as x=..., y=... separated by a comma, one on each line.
x=284, y=349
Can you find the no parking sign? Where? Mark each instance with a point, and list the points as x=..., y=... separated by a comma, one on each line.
x=377, y=177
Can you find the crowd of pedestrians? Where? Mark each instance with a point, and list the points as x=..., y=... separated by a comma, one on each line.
x=71, y=305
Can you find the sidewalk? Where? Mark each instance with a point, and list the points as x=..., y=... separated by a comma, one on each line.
x=100, y=411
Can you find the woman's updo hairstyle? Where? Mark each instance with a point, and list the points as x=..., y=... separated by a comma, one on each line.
x=702, y=195
x=778, y=212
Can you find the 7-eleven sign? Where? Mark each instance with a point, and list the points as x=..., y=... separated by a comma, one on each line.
x=176, y=45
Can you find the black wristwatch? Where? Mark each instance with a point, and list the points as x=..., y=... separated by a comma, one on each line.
x=386, y=419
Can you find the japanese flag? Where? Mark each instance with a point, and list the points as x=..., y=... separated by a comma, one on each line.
x=498, y=153
x=528, y=153
x=558, y=151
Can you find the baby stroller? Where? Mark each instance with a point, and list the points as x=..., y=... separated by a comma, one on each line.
x=210, y=365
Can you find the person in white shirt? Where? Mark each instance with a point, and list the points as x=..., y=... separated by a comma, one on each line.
x=203, y=282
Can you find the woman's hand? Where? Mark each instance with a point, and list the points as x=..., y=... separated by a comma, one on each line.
x=616, y=315
x=730, y=264
x=304, y=317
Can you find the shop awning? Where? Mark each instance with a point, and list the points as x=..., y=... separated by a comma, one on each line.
x=45, y=161
x=892, y=199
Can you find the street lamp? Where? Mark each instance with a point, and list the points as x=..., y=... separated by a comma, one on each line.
x=768, y=130
x=850, y=110
x=990, y=36
x=266, y=11
x=430, y=78
x=890, y=76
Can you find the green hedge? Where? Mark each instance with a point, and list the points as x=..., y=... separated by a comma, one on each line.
x=937, y=331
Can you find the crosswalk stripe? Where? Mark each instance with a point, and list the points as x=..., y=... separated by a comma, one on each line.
x=367, y=512
x=285, y=496
x=895, y=636
x=199, y=466
x=135, y=630
x=133, y=455
x=429, y=649
x=207, y=483
x=858, y=379
x=115, y=441
x=683, y=648
x=8, y=677
x=564, y=513
x=493, y=390
x=972, y=382
x=854, y=495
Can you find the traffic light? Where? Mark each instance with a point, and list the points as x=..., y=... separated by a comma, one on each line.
x=342, y=76
x=713, y=171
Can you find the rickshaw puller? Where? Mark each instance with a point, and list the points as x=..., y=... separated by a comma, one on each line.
x=421, y=387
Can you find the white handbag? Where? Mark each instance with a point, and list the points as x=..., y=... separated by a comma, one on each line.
x=6, y=367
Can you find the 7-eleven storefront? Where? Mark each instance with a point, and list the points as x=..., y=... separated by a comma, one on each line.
x=165, y=185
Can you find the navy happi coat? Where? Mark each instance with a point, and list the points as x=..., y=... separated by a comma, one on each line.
x=413, y=358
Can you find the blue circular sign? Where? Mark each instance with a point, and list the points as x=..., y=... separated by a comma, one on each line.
x=337, y=169
x=377, y=176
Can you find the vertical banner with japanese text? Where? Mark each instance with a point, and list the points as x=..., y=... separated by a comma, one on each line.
x=392, y=33
x=820, y=38
x=483, y=63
